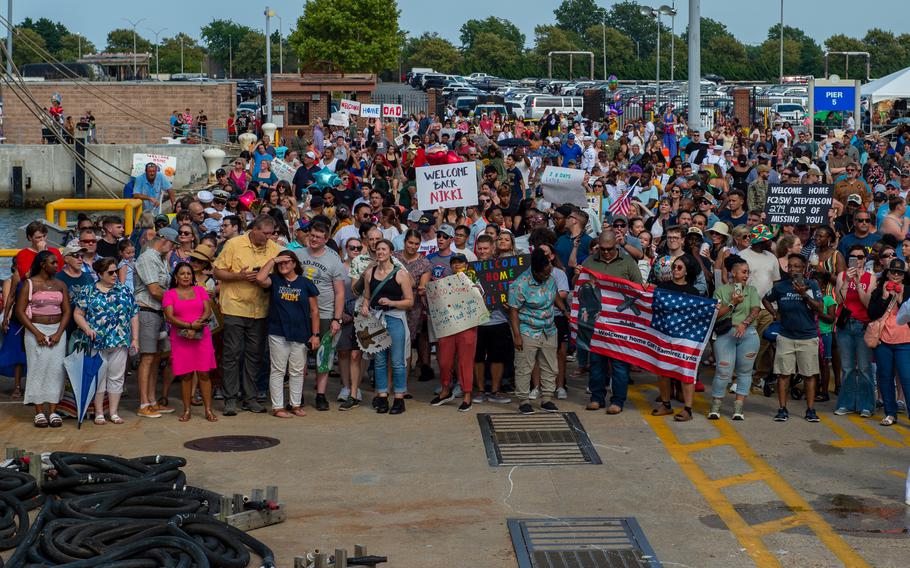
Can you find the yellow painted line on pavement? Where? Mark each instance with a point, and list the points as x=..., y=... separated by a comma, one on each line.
x=704, y=444
x=846, y=440
x=864, y=425
x=748, y=535
x=899, y=474
x=736, y=479
x=778, y=525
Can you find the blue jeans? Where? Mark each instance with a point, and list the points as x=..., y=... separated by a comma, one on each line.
x=600, y=374
x=857, y=389
x=396, y=329
x=734, y=354
x=891, y=358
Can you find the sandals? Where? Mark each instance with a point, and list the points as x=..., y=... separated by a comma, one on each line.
x=888, y=421
x=661, y=409
x=40, y=420
x=281, y=413
x=116, y=419
x=298, y=411
x=55, y=420
x=185, y=417
x=99, y=420
x=210, y=416
x=682, y=416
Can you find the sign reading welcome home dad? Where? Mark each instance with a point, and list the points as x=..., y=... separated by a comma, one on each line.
x=447, y=185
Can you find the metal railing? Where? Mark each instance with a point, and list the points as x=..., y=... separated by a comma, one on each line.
x=713, y=107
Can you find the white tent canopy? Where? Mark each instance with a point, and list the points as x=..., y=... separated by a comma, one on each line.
x=893, y=86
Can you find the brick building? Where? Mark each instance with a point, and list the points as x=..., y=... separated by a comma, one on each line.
x=297, y=100
x=146, y=123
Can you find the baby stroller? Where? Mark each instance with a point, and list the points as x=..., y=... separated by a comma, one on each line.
x=797, y=388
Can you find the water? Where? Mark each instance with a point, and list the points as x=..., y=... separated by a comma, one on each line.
x=11, y=220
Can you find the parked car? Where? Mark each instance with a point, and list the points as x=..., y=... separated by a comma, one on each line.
x=535, y=105
x=791, y=112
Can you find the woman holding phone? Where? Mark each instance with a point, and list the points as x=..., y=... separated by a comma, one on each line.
x=854, y=291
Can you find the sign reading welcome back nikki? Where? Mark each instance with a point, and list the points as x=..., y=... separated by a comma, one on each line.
x=447, y=185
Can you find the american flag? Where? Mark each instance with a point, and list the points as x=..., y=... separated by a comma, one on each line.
x=623, y=205
x=658, y=330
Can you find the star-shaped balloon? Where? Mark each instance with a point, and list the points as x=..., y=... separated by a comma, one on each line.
x=323, y=178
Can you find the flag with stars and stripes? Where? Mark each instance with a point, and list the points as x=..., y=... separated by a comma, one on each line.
x=659, y=330
x=623, y=205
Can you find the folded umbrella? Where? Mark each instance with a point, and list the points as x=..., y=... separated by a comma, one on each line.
x=82, y=366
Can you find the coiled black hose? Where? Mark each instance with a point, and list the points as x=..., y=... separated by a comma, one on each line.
x=107, y=511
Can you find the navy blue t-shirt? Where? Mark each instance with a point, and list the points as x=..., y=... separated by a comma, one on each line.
x=289, y=308
x=851, y=239
x=797, y=319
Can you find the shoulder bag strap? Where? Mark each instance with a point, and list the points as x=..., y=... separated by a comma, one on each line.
x=383, y=283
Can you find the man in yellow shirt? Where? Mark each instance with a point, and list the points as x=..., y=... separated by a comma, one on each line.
x=245, y=307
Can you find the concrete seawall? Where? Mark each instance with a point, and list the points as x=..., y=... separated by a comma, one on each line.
x=49, y=169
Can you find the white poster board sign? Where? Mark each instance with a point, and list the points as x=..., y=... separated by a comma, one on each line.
x=563, y=185
x=167, y=165
x=350, y=107
x=339, y=119
x=455, y=304
x=447, y=185
x=371, y=111
x=392, y=111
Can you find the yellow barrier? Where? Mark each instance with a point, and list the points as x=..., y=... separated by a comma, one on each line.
x=55, y=211
x=8, y=253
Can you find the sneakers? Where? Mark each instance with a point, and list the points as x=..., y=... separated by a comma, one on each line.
x=349, y=403
x=811, y=416
x=161, y=409
x=381, y=404
x=561, y=393
x=714, y=413
x=464, y=406
x=498, y=398
x=479, y=397
x=397, y=406
x=548, y=406
x=841, y=411
x=148, y=412
x=439, y=400
x=782, y=415
x=534, y=394
x=253, y=406
x=738, y=410
x=218, y=393
x=344, y=394
x=866, y=413
x=322, y=403
x=230, y=408
x=526, y=409
x=570, y=357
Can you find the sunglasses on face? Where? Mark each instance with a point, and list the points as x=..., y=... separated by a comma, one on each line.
x=865, y=220
x=185, y=234
x=355, y=249
x=620, y=225
x=442, y=236
x=887, y=254
x=110, y=272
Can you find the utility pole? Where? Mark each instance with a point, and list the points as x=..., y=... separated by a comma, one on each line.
x=156, y=47
x=695, y=65
x=280, y=46
x=181, y=54
x=603, y=22
x=9, y=38
x=230, y=57
x=268, y=66
x=672, y=40
x=79, y=39
x=134, y=24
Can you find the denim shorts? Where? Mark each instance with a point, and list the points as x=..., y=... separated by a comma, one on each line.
x=827, y=346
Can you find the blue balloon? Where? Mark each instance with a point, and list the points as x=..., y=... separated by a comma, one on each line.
x=323, y=178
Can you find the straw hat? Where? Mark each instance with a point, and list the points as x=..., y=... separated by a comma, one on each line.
x=203, y=253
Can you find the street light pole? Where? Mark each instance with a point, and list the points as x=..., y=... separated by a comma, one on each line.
x=694, y=60
x=158, y=33
x=230, y=57
x=604, y=22
x=181, y=55
x=134, y=24
x=657, y=19
x=79, y=39
x=268, y=66
x=280, y=46
x=782, y=41
x=672, y=40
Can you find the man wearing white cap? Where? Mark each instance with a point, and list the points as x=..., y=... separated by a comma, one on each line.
x=304, y=176
x=589, y=155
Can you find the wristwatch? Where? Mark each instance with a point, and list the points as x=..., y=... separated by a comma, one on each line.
x=339, y=320
x=731, y=306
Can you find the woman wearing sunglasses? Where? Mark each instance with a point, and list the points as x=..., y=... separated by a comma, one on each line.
x=854, y=288
x=349, y=354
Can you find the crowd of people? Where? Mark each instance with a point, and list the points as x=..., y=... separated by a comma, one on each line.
x=239, y=285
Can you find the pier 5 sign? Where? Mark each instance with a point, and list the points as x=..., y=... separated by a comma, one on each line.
x=798, y=204
x=447, y=185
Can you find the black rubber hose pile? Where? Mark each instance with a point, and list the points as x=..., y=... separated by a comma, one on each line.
x=105, y=512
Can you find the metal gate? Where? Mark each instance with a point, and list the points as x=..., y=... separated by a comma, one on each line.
x=412, y=103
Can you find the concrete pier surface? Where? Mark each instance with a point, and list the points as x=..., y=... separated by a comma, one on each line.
x=418, y=488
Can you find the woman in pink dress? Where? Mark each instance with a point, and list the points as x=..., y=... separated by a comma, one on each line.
x=187, y=308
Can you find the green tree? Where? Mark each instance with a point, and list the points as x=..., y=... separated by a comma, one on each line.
x=626, y=17
x=494, y=54
x=578, y=15
x=121, y=41
x=726, y=56
x=620, y=51
x=249, y=57
x=51, y=32
x=169, y=52
x=888, y=54
x=810, y=54
x=69, y=47
x=553, y=38
x=765, y=59
x=356, y=35
x=27, y=45
x=505, y=29
x=430, y=50
x=222, y=38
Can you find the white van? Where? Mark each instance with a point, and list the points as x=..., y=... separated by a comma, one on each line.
x=535, y=105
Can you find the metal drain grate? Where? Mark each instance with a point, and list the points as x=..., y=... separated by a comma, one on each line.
x=539, y=439
x=593, y=542
x=231, y=443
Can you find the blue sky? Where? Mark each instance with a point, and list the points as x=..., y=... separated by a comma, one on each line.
x=818, y=18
